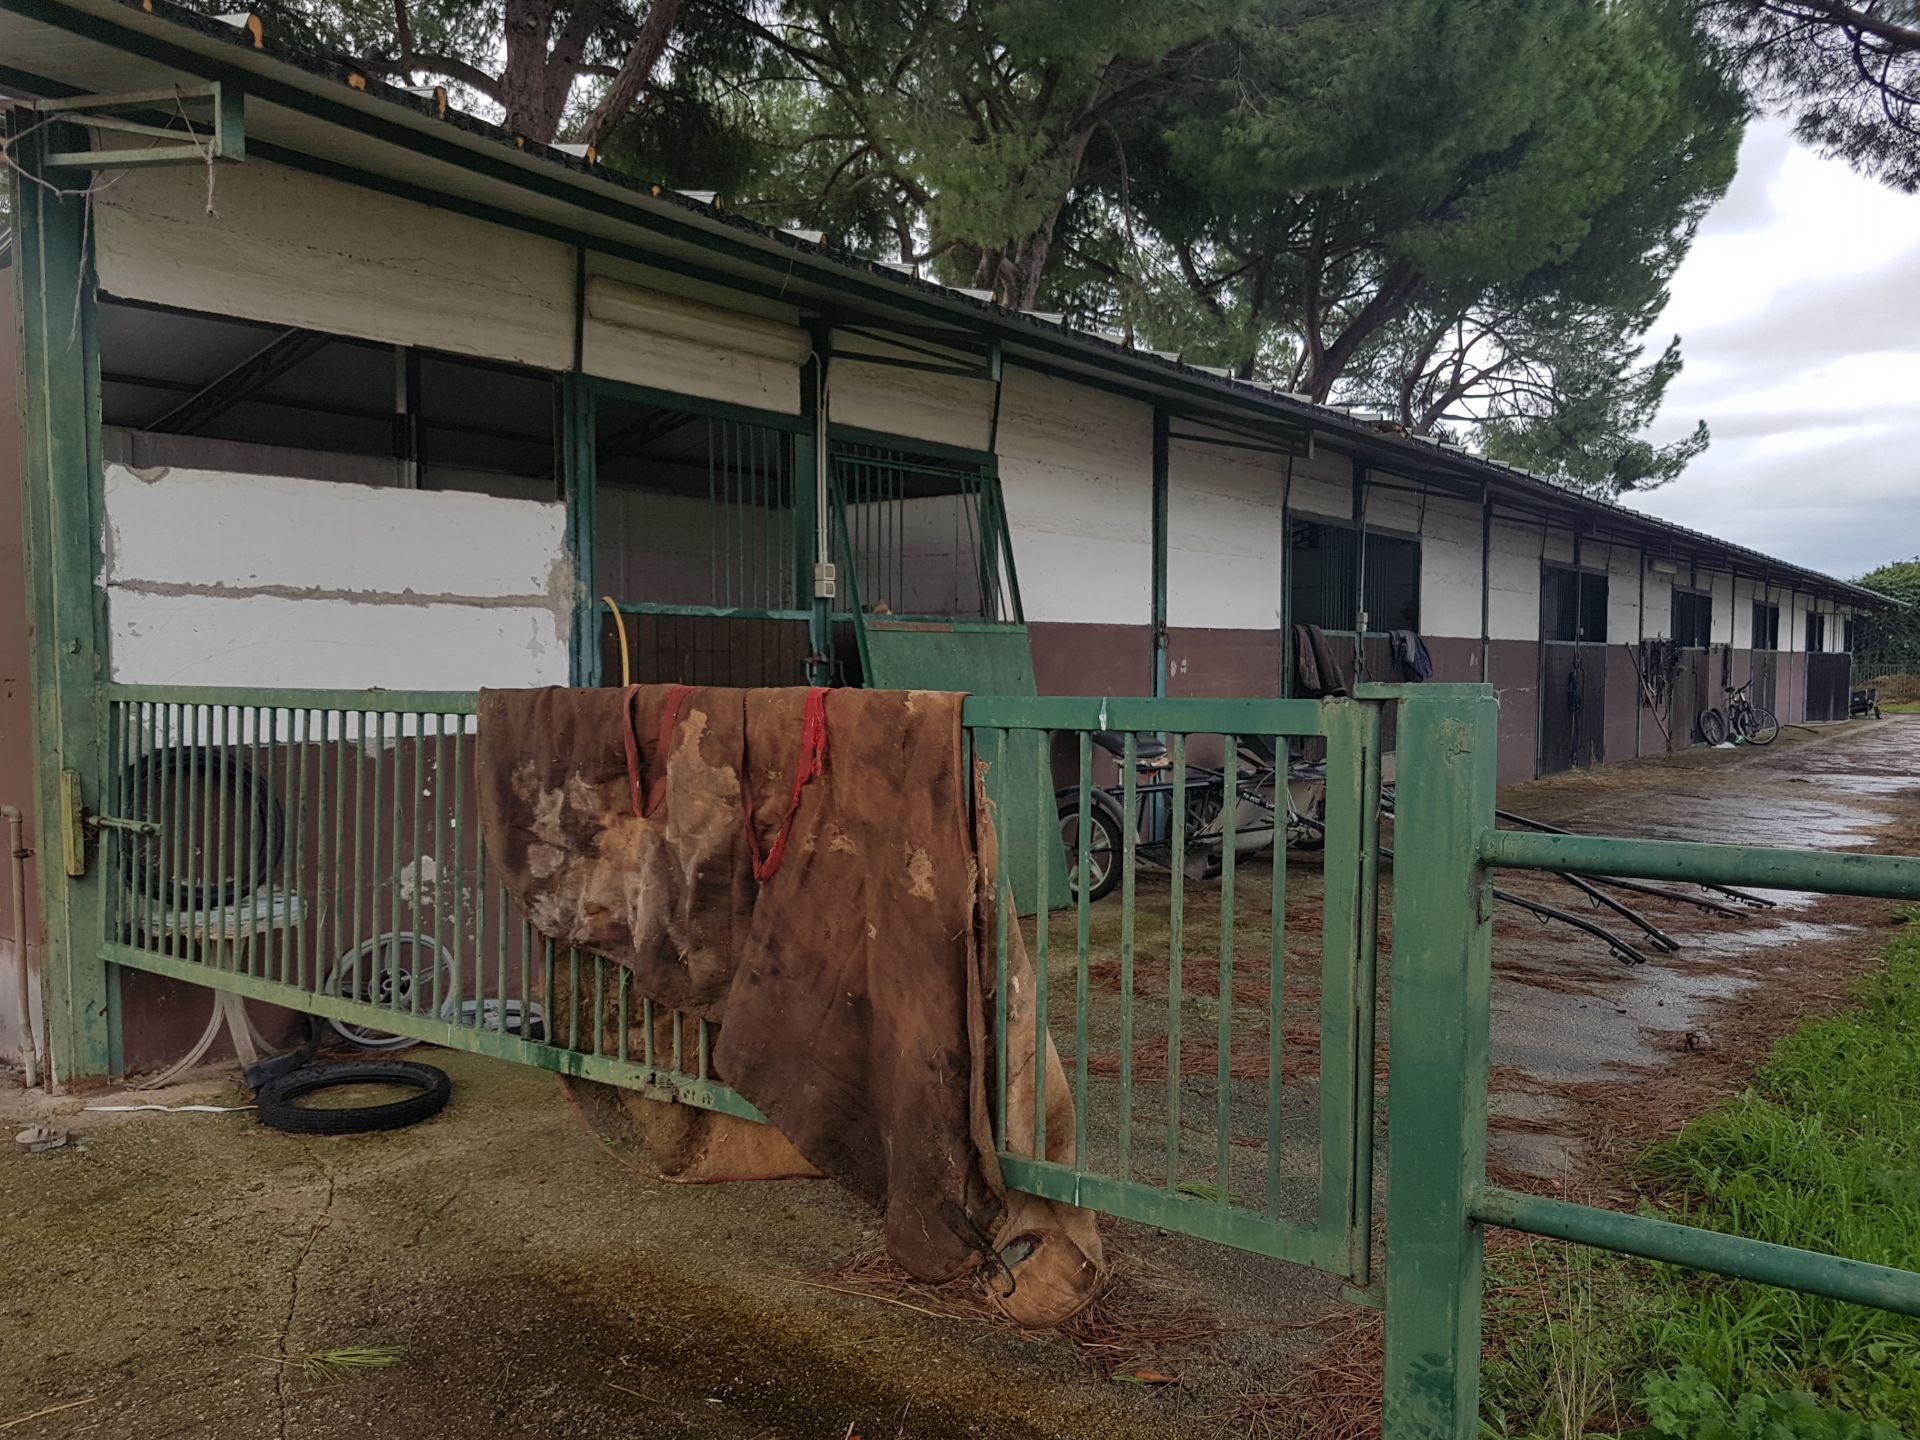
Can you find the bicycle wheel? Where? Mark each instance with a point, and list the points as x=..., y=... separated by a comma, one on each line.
x=1758, y=727
x=393, y=972
x=1104, y=843
x=1713, y=727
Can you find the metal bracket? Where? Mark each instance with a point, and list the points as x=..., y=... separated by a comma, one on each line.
x=224, y=137
x=114, y=822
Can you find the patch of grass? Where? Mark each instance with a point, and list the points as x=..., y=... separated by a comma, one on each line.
x=1822, y=1152
x=1900, y=707
x=326, y=1367
x=1557, y=1348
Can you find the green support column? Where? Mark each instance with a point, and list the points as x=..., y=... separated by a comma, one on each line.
x=1437, y=1085
x=60, y=471
x=811, y=503
x=1161, y=652
x=577, y=456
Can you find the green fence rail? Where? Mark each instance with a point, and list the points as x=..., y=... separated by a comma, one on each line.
x=1438, y=1202
x=1214, y=1017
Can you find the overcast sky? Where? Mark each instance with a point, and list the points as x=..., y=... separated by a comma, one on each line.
x=1799, y=316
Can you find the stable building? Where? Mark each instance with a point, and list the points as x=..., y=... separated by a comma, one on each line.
x=322, y=384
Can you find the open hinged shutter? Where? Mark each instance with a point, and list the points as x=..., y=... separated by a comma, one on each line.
x=928, y=578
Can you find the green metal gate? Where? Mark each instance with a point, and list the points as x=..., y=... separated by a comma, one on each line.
x=1215, y=1025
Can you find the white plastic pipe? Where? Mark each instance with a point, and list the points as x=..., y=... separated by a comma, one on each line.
x=17, y=851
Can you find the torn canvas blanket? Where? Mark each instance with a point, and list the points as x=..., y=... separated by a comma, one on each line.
x=801, y=868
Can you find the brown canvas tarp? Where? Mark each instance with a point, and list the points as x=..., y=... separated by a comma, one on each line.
x=850, y=989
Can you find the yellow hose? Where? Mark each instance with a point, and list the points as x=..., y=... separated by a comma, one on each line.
x=620, y=625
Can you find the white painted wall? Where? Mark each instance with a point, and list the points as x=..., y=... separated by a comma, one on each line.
x=1450, y=568
x=292, y=248
x=298, y=249
x=1226, y=534
x=215, y=578
x=946, y=409
x=1322, y=488
x=1076, y=468
x=1513, y=583
x=1660, y=603
x=1720, y=585
x=1623, y=593
x=637, y=355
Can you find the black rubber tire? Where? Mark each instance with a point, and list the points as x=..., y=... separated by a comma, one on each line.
x=1713, y=727
x=1759, y=727
x=278, y=1110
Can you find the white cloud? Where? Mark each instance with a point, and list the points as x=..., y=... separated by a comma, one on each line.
x=1799, y=314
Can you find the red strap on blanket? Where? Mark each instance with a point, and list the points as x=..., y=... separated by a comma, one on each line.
x=669, y=718
x=812, y=759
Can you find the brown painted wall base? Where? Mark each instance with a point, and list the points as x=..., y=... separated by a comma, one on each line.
x=1224, y=664
x=1073, y=659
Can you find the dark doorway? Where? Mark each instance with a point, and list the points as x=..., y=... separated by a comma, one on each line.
x=1766, y=654
x=1828, y=680
x=1573, y=669
x=1693, y=685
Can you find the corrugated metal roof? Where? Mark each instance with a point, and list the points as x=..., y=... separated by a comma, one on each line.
x=329, y=114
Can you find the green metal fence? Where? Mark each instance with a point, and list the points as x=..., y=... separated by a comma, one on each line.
x=1220, y=1054
x=1215, y=1016
x=1446, y=848
x=322, y=851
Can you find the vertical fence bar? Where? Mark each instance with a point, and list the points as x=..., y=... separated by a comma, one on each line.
x=300, y=730
x=386, y=823
x=504, y=944
x=1437, y=1098
x=257, y=943
x=1223, y=1096
x=358, y=871
x=573, y=992
x=1045, y=825
x=437, y=933
x=457, y=925
x=1002, y=900
x=219, y=806
x=157, y=899
x=1366, y=954
x=114, y=797
x=1176, y=920
x=1340, y=998
x=1083, y=941
x=1129, y=845
x=193, y=781
x=625, y=1024
x=1277, y=981
x=416, y=857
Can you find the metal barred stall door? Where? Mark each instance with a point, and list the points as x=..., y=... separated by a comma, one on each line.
x=703, y=534
x=929, y=585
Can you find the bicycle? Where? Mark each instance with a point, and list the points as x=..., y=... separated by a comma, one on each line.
x=1259, y=786
x=1743, y=718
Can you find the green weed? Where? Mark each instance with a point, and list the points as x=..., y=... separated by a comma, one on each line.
x=1822, y=1152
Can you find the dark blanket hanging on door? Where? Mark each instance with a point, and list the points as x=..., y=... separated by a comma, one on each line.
x=799, y=867
x=1316, y=669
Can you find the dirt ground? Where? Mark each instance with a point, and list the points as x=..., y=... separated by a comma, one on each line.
x=173, y=1275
